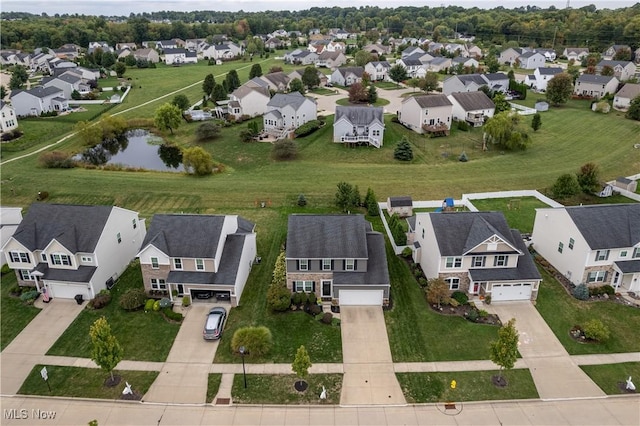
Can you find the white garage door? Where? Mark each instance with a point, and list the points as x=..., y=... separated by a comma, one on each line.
x=360, y=297
x=502, y=292
x=67, y=291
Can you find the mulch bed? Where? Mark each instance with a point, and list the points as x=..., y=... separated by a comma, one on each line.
x=301, y=385
x=464, y=311
x=623, y=388
x=135, y=396
x=111, y=383
x=499, y=381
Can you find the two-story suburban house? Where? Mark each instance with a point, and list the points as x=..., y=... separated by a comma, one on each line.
x=413, y=66
x=497, y=81
x=472, y=107
x=146, y=54
x=38, y=100
x=359, y=125
x=611, y=51
x=595, y=86
x=541, y=76
x=622, y=99
x=596, y=244
x=179, y=56
x=73, y=250
x=427, y=114
x=249, y=101
x=202, y=256
x=347, y=76
x=464, y=83
x=475, y=253
x=575, y=53
x=331, y=60
x=287, y=112
x=276, y=81
x=622, y=70
x=378, y=70
x=10, y=218
x=531, y=60
x=68, y=82
x=8, y=118
x=338, y=257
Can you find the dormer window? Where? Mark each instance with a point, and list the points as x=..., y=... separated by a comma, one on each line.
x=61, y=259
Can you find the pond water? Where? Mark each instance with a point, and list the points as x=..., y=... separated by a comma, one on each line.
x=138, y=149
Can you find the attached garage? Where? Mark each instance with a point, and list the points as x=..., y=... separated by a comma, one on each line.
x=517, y=291
x=361, y=297
x=67, y=291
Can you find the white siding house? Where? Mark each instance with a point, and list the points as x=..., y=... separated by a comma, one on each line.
x=359, y=125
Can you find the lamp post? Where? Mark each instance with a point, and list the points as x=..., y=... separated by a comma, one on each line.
x=241, y=349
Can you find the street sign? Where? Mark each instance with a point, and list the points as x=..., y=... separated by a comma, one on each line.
x=43, y=373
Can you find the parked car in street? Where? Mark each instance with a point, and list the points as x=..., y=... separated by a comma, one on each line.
x=214, y=324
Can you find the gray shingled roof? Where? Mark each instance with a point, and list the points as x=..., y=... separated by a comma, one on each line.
x=280, y=100
x=411, y=62
x=176, y=51
x=359, y=116
x=550, y=70
x=471, y=101
x=327, y=236
x=629, y=90
x=607, y=226
x=496, y=76
x=277, y=78
x=612, y=63
x=357, y=71
x=432, y=101
x=526, y=269
x=244, y=90
x=81, y=275
x=78, y=228
x=377, y=272
x=472, y=78
x=629, y=266
x=595, y=79
x=39, y=92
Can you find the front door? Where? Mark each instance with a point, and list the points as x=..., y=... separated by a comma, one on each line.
x=475, y=288
x=326, y=288
x=180, y=290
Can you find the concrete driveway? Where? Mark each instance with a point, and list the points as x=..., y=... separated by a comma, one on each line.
x=554, y=372
x=29, y=347
x=369, y=377
x=183, y=378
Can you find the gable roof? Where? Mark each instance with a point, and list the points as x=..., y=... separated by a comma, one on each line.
x=39, y=92
x=471, y=101
x=294, y=99
x=613, y=64
x=607, y=226
x=359, y=115
x=550, y=70
x=496, y=76
x=629, y=90
x=431, y=101
x=244, y=90
x=411, y=61
x=277, y=78
x=329, y=55
x=76, y=227
x=357, y=71
x=595, y=79
x=467, y=79
x=327, y=236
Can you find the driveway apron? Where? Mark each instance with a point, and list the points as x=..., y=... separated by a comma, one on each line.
x=29, y=347
x=555, y=374
x=369, y=376
x=184, y=375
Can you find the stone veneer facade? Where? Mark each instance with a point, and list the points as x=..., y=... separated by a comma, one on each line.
x=162, y=272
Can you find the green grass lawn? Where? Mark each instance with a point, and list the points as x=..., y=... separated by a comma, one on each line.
x=76, y=382
x=610, y=376
x=15, y=314
x=387, y=85
x=562, y=312
x=421, y=388
x=322, y=91
x=272, y=389
x=379, y=102
x=213, y=384
x=143, y=336
x=520, y=212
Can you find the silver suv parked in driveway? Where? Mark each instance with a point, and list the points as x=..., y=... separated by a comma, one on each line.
x=214, y=323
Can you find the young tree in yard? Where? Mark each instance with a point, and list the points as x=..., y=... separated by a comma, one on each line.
x=106, y=352
x=278, y=295
x=437, y=292
x=167, y=116
x=413, y=83
x=345, y=196
x=559, y=89
x=536, y=122
x=398, y=73
x=372, y=94
x=120, y=69
x=256, y=71
x=501, y=102
x=362, y=58
x=197, y=161
x=301, y=364
x=296, y=85
x=504, y=351
x=430, y=82
x=491, y=63
x=19, y=77
x=357, y=93
x=219, y=93
x=310, y=77
x=565, y=186
x=403, y=151
x=182, y=102
x=371, y=203
x=634, y=109
x=588, y=178
x=208, y=85
x=207, y=131
x=232, y=80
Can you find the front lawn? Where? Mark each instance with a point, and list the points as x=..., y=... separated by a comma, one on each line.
x=15, y=313
x=213, y=385
x=278, y=389
x=322, y=91
x=387, y=85
x=610, y=377
x=470, y=386
x=562, y=311
x=76, y=382
x=143, y=336
x=520, y=212
x=377, y=103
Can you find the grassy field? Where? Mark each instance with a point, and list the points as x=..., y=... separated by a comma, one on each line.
x=421, y=388
x=562, y=312
x=611, y=376
x=84, y=382
x=15, y=314
x=270, y=389
x=519, y=212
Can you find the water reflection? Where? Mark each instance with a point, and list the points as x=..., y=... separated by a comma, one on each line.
x=138, y=149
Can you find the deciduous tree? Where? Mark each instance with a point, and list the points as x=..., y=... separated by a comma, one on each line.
x=197, y=161
x=358, y=93
x=437, y=292
x=296, y=85
x=106, y=352
x=310, y=77
x=588, y=178
x=167, y=116
x=182, y=102
x=505, y=131
x=301, y=363
x=398, y=73
x=504, y=351
x=559, y=89
x=565, y=186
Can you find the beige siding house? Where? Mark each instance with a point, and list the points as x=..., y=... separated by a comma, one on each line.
x=426, y=113
x=472, y=107
x=623, y=98
x=595, y=86
x=248, y=101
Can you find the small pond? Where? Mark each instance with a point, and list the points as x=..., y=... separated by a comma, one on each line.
x=138, y=149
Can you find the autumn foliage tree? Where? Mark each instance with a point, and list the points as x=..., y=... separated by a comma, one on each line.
x=358, y=93
x=437, y=292
x=559, y=89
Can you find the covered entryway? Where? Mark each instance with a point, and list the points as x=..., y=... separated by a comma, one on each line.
x=516, y=291
x=360, y=297
x=67, y=291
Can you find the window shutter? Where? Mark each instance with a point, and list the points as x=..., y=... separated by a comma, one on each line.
x=332, y=267
x=297, y=265
x=355, y=265
x=344, y=265
x=606, y=274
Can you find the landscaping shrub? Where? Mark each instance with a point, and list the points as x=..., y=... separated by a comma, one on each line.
x=460, y=297
x=300, y=298
x=463, y=125
x=307, y=128
x=284, y=150
x=315, y=310
x=312, y=298
x=319, y=316
x=423, y=282
x=56, y=160
x=165, y=302
x=134, y=298
x=29, y=296
x=609, y=290
x=487, y=299
x=101, y=300
x=472, y=315
x=581, y=292
x=148, y=306
x=407, y=252
x=256, y=340
x=173, y=316
x=327, y=317
x=156, y=305
x=186, y=301
x=302, y=201
x=278, y=297
x=595, y=330
x=482, y=313
x=336, y=322
x=5, y=269
x=454, y=303
x=463, y=157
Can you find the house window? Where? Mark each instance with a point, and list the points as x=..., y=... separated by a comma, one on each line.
x=61, y=259
x=154, y=263
x=305, y=286
x=376, y=133
x=478, y=261
x=596, y=276
x=350, y=265
x=500, y=260
x=423, y=233
x=572, y=242
x=177, y=263
x=200, y=264
x=86, y=259
x=119, y=238
x=453, y=262
x=623, y=253
x=602, y=255
x=158, y=284
x=636, y=252
x=560, y=247
x=43, y=257
x=454, y=283
x=326, y=264
x=24, y=274
x=303, y=264
x=134, y=223
x=19, y=257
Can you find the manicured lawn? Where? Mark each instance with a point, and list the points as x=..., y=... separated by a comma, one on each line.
x=562, y=312
x=387, y=85
x=520, y=212
x=15, y=315
x=79, y=382
x=143, y=336
x=610, y=376
x=322, y=91
x=213, y=384
x=379, y=102
x=272, y=389
x=470, y=386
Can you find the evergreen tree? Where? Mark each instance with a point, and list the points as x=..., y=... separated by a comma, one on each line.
x=256, y=71
x=372, y=94
x=219, y=93
x=536, y=122
x=403, y=151
x=371, y=204
x=232, y=80
x=208, y=85
x=588, y=178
